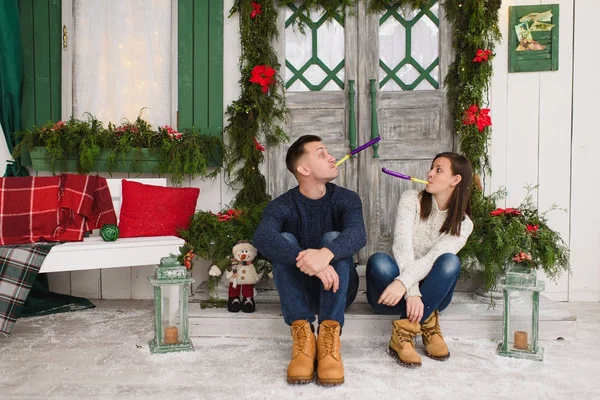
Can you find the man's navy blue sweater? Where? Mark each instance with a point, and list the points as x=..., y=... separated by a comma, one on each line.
x=308, y=220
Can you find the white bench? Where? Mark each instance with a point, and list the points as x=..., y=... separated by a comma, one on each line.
x=95, y=253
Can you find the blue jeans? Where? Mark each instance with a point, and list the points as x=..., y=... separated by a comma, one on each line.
x=303, y=296
x=436, y=289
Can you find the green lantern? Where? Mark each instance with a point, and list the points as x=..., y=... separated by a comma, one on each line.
x=521, y=290
x=109, y=232
x=171, y=289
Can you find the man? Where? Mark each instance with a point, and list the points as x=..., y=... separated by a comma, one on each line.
x=310, y=234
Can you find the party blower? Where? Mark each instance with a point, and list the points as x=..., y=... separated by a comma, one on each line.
x=358, y=149
x=402, y=176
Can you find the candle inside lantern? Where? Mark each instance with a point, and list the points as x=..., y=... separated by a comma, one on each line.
x=171, y=335
x=521, y=340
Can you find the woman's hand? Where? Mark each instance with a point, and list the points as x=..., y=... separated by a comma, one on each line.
x=414, y=308
x=392, y=294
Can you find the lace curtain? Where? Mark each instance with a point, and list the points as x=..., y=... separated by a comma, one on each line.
x=122, y=60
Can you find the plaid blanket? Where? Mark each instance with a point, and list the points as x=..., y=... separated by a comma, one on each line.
x=53, y=208
x=19, y=266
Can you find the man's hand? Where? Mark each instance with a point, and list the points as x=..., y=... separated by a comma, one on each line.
x=330, y=278
x=313, y=261
x=392, y=294
x=414, y=308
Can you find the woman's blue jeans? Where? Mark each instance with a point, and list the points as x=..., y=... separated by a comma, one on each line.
x=302, y=296
x=436, y=289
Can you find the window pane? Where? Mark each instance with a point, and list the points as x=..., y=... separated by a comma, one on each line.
x=314, y=60
x=409, y=49
x=122, y=60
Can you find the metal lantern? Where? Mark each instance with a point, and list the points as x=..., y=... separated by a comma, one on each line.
x=171, y=283
x=521, y=290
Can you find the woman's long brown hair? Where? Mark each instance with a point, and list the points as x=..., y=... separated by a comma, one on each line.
x=460, y=201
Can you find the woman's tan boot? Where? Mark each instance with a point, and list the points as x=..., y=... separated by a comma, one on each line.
x=402, y=343
x=435, y=346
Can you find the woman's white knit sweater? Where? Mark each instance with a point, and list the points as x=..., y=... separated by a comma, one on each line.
x=418, y=243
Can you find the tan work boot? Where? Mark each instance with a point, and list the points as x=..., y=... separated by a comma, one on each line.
x=402, y=344
x=435, y=346
x=330, y=370
x=304, y=353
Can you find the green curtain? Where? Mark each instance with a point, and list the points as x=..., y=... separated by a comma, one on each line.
x=11, y=78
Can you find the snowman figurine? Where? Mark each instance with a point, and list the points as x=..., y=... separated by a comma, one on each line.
x=242, y=278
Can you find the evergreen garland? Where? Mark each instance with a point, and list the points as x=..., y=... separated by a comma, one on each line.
x=255, y=116
x=474, y=27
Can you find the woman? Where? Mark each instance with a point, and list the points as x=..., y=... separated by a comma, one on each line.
x=418, y=282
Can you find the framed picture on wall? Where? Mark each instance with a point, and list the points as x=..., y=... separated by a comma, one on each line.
x=533, y=38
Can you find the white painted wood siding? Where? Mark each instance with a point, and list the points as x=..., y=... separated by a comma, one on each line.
x=542, y=134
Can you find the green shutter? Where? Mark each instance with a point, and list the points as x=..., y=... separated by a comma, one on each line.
x=41, y=41
x=200, y=31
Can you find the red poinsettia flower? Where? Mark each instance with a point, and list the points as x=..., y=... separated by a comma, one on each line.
x=483, y=119
x=503, y=211
x=255, y=10
x=532, y=228
x=58, y=125
x=124, y=128
x=172, y=133
x=474, y=115
x=471, y=115
x=521, y=257
x=482, y=55
x=497, y=212
x=258, y=146
x=263, y=75
x=230, y=214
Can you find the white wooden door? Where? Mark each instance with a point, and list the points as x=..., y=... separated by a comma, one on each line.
x=406, y=53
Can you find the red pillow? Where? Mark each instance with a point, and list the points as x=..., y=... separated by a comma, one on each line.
x=148, y=210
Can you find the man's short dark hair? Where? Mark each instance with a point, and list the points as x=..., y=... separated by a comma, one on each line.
x=296, y=151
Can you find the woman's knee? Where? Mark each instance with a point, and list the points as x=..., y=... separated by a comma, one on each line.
x=382, y=265
x=448, y=264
